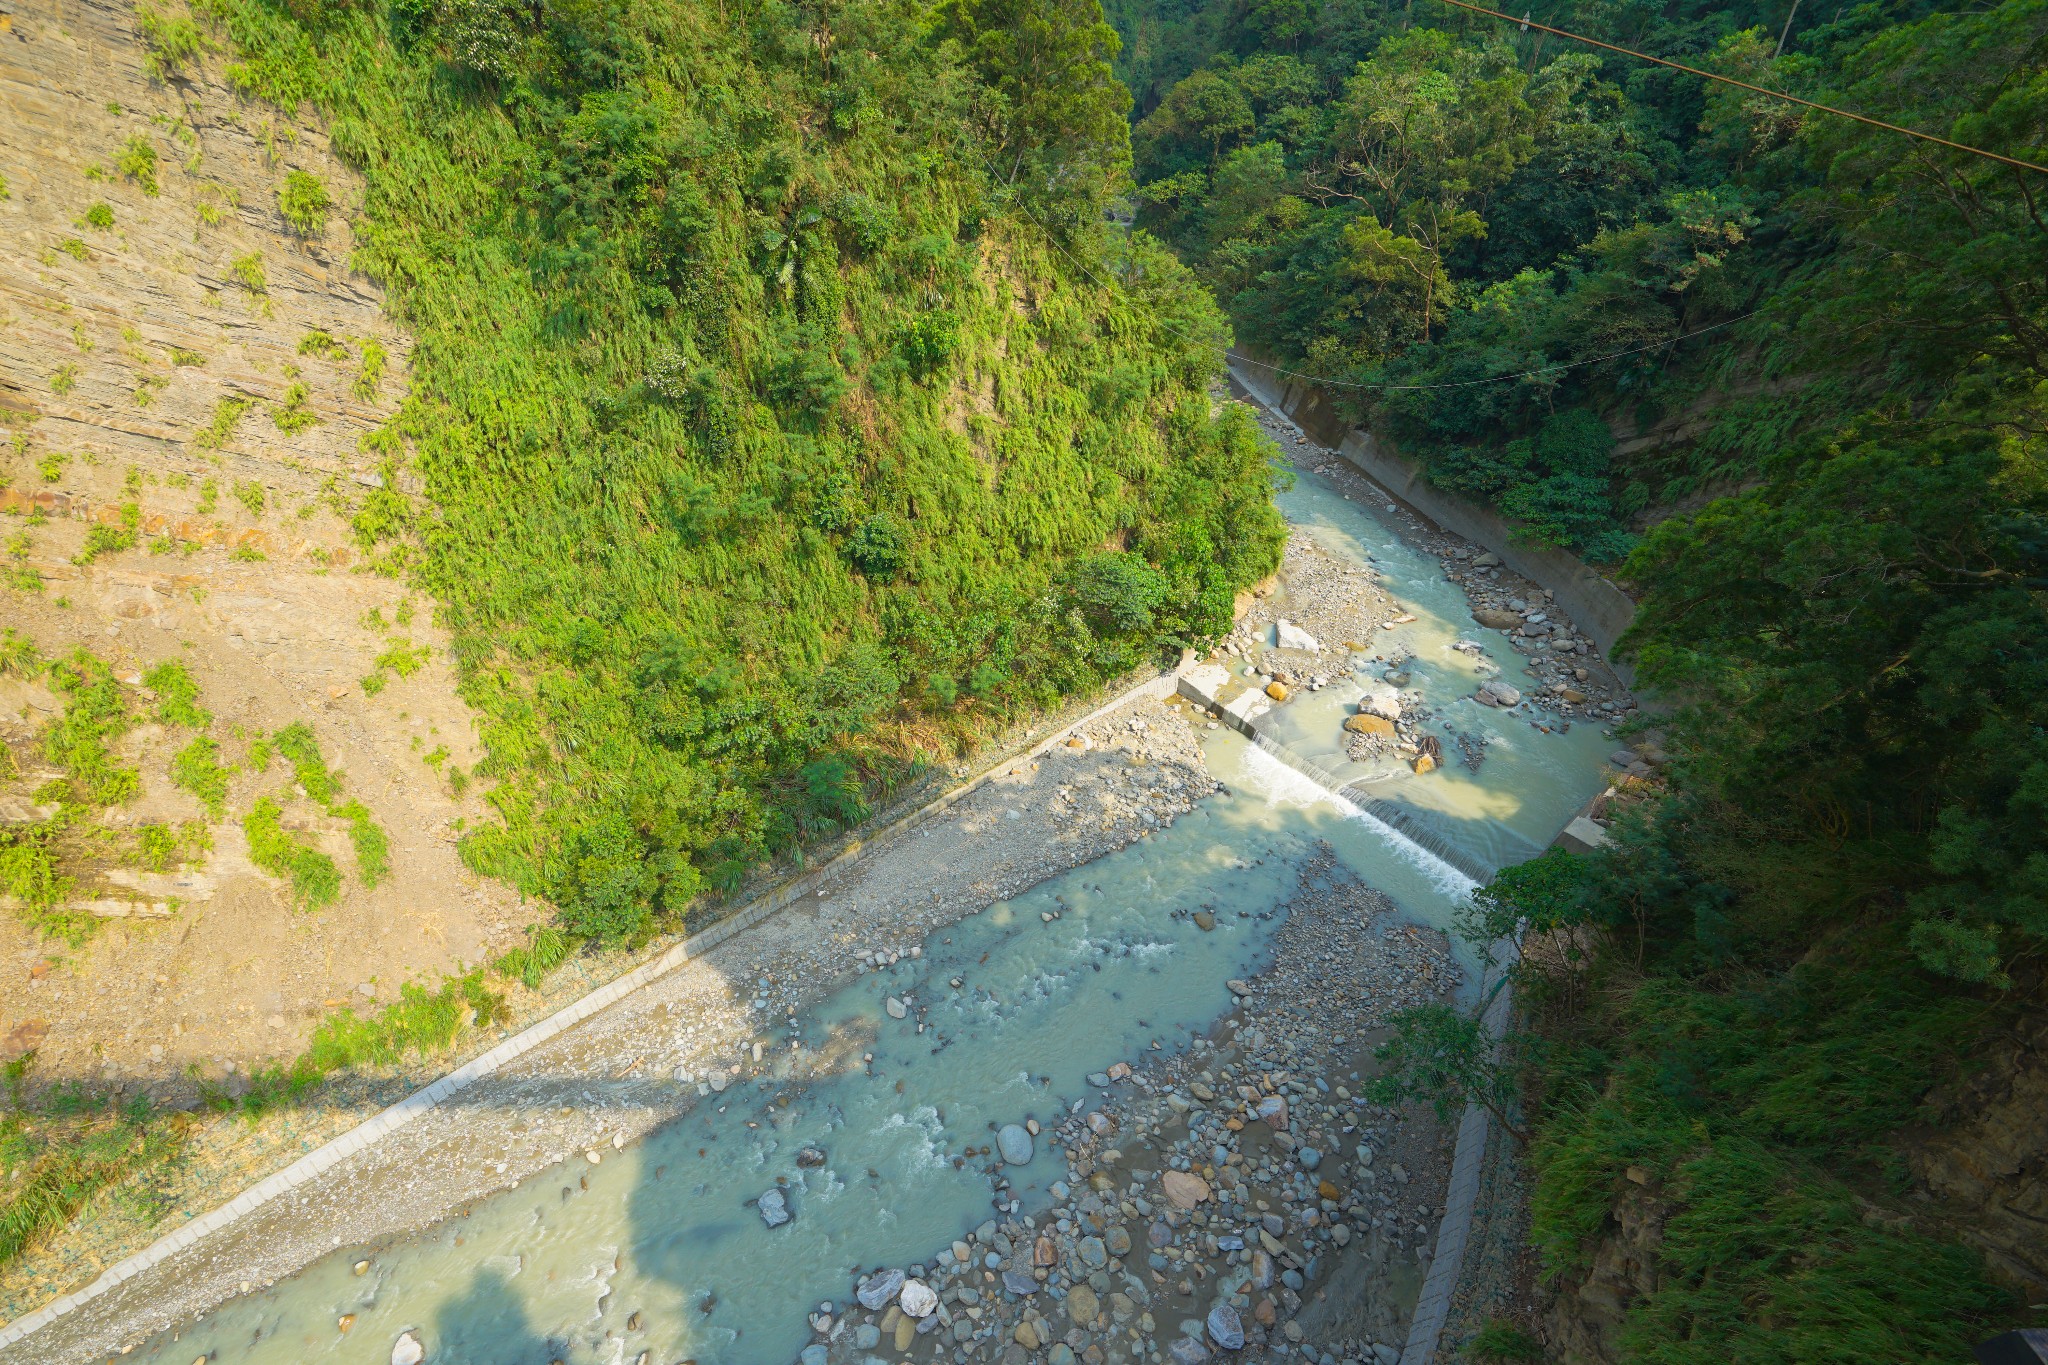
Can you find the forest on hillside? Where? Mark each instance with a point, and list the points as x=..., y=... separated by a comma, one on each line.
x=773, y=434
x=1782, y=373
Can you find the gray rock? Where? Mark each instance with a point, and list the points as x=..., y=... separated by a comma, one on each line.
x=1092, y=1252
x=1494, y=692
x=814, y=1354
x=1015, y=1144
x=811, y=1156
x=774, y=1208
x=1187, y=1351
x=896, y=1008
x=1061, y=1354
x=1020, y=1283
x=1309, y=1158
x=879, y=1289
x=407, y=1350
x=1225, y=1327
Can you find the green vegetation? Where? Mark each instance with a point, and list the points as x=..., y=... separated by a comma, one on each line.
x=250, y=495
x=198, y=769
x=227, y=413
x=177, y=696
x=170, y=41
x=64, y=380
x=65, y=1147
x=304, y=202
x=99, y=216
x=370, y=374
x=301, y=749
x=316, y=882
x=294, y=414
x=137, y=161
x=699, y=325
x=372, y=845
x=1508, y=243
x=249, y=270
x=421, y=1022
x=103, y=539
x=323, y=344
x=95, y=714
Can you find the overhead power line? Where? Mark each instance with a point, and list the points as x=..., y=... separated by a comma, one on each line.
x=1745, y=85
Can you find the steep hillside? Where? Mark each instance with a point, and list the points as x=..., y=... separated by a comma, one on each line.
x=185, y=379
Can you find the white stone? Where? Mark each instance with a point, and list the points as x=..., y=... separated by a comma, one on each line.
x=1291, y=636
x=917, y=1299
x=407, y=1350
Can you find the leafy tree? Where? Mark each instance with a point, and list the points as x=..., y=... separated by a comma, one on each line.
x=1052, y=109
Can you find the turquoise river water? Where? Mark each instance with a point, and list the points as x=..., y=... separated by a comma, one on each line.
x=553, y=1271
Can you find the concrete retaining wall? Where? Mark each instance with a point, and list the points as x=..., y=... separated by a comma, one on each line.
x=1599, y=608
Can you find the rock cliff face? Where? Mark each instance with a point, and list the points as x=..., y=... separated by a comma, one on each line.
x=1582, y=1320
x=1981, y=1176
x=182, y=367
x=1985, y=1166
x=156, y=307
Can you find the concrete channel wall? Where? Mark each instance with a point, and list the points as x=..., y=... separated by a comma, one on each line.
x=1599, y=608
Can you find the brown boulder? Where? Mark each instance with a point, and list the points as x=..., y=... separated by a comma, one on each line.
x=1184, y=1189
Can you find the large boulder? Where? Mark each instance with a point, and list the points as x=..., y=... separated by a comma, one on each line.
x=1015, y=1144
x=918, y=1299
x=1226, y=1329
x=877, y=1290
x=407, y=1350
x=1381, y=701
x=1366, y=723
x=1494, y=692
x=1493, y=618
x=1290, y=636
x=774, y=1208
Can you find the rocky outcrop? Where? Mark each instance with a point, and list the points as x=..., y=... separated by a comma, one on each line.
x=1984, y=1165
x=1583, y=1318
x=159, y=311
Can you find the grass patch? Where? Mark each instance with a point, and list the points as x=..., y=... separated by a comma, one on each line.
x=315, y=881
x=299, y=747
x=304, y=202
x=96, y=714
x=370, y=370
x=227, y=412
x=198, y=769
x=66, y=1149
x=295, y=414
x=137, y=160
x=177, y=696
x=372, y=845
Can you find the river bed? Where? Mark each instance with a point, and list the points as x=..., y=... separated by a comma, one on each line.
x=875, y=1130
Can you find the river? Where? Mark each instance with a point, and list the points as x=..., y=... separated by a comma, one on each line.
x=660, y=1247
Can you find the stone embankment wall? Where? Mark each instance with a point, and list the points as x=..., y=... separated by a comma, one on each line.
x=1598, y=607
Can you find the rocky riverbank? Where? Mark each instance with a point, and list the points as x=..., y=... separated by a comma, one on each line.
x=1568, y=677
x=1240, y=1200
